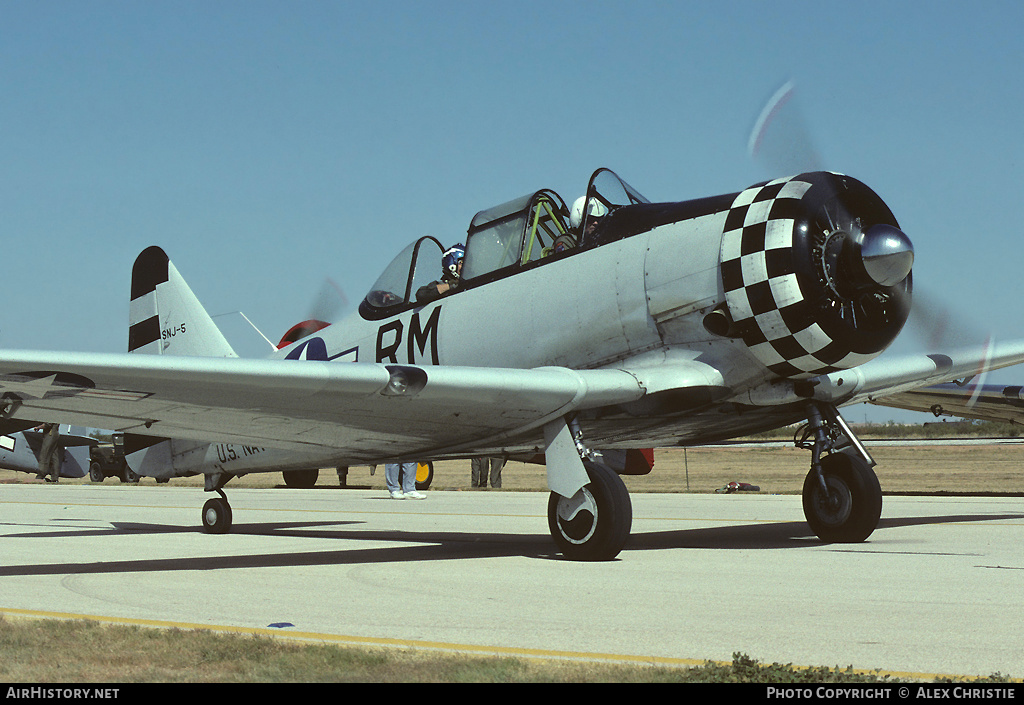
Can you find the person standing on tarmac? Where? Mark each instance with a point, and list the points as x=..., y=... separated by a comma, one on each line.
x=49, y=454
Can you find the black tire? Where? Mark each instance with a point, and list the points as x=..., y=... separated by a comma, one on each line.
x=301, y=479
x=853, y=507
x=96, y=472
x=217, y=516
x=595, y=523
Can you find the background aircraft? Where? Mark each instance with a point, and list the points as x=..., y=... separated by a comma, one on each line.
x=666, y=324
x=20, y=451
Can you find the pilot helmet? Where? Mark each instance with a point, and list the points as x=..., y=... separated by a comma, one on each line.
x=596, y=209
x=450, y=260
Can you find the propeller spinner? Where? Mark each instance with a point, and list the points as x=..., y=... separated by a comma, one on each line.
x=880, y=256
x=887, y=254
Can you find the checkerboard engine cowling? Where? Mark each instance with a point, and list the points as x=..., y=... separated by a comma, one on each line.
x=766, y=296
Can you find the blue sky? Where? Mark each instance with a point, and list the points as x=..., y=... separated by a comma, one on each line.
x=268, y=146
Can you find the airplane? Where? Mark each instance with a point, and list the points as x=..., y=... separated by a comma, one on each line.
x=19, y=451
x=641, y=325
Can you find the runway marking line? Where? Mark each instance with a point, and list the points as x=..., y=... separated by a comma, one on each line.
x=530, y=654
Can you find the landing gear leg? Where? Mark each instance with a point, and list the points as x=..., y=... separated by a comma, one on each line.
x=841, y=496
x=217, y=511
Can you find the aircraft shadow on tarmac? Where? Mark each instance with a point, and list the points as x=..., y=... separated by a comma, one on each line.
x=778, y=535
x=432, y=545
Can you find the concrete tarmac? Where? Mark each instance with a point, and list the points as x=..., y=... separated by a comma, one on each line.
x=937, y=589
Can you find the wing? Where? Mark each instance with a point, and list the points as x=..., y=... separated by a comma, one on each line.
x=366, y=412
x=918, y=382
x=988, y=402
x=363, y=410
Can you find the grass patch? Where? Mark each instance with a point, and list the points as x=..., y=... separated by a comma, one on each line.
x=82, y=651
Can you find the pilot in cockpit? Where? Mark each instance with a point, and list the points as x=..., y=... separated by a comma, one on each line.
x=596, y=211
x=451, y=277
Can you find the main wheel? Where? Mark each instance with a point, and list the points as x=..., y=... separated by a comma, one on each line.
x=850, y=511
x=593, y=524
x=217, y=516
x=96, y=472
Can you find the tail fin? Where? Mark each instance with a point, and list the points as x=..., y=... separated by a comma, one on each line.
x=165, y=317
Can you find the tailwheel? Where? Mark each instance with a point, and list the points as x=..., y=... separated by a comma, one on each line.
x=217, y=515
x=593, y=524
x=849, y=511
